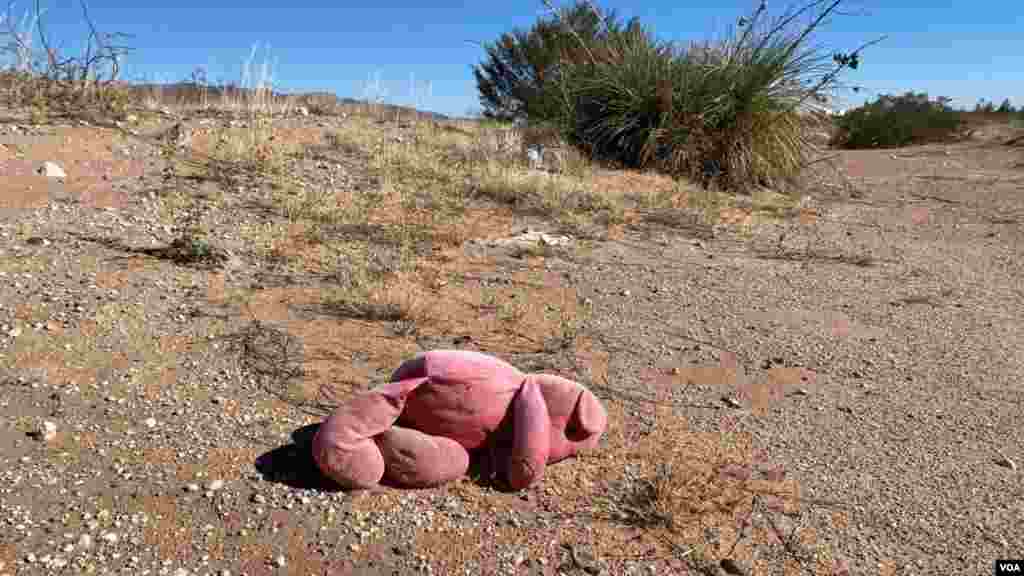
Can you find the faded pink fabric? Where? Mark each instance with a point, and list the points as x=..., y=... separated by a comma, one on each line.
x=419, y=429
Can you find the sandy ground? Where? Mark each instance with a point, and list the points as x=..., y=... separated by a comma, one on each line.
x=863, y=360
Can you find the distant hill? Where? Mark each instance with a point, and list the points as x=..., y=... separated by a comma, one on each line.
x=190, y=93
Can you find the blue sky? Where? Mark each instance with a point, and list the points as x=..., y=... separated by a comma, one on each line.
x=421, y=52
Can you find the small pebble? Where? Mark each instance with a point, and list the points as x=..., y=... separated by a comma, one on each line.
x=731, y=402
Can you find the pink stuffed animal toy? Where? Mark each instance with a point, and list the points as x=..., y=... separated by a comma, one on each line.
x=419, y=429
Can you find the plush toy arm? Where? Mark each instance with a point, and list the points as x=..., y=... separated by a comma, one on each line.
x=531, y=436
x=344, y=447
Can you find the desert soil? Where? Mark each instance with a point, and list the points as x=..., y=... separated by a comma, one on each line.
x=838, y=392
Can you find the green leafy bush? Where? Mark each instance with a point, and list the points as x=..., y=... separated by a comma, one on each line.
x=517, y=80
x=894, y=121
x=734, y=112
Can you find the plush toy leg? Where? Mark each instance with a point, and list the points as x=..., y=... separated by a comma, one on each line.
x=413, y=459
x=344, y=448
x=531, y=437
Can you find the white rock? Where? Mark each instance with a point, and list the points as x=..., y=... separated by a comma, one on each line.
x=51, y=170
x=150, y=422
x=280, y=561
x=302, y=111
x=110, y=537
x=531, y=238
x=215, y=485
x=85, y=541
x=535, y=155
x=48, y=431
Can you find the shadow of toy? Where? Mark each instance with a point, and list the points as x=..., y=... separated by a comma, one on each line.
x=293, y=464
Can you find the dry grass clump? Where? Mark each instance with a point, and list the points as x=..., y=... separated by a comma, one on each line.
x=707, y=499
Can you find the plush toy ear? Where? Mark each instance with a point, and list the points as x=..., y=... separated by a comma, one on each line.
x=577, y=417
x=588, y=420
x=343, y=447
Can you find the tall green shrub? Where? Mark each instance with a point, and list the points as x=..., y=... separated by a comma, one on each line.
x=734, y=111
x=514, y=81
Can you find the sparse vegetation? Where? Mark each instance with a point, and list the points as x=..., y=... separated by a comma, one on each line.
x=54, y=84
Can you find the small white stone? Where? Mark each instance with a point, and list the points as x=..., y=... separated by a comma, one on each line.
x=280, y=561
x=150, y=422
x=192, y=487
x=110, y=537
x=215, y=485
x=85, y=541
x=51, y=170
x=48, y=431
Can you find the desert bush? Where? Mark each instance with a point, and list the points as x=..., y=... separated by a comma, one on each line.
x=732, y=112
x=55, y=84
x=893, y=121
x=516, y=82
